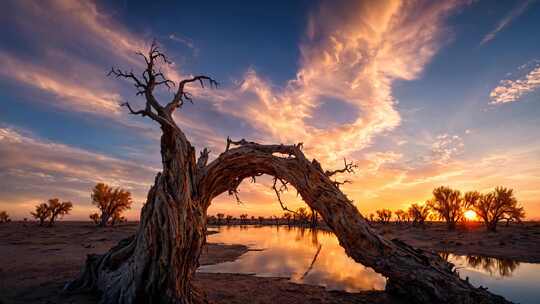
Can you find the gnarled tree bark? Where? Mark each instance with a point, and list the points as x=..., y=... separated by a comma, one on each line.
x=158, y=263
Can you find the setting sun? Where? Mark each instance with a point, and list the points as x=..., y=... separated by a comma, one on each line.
x=470, y=215
x=330, y=151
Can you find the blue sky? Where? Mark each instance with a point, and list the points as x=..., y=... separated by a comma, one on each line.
x=419, y=94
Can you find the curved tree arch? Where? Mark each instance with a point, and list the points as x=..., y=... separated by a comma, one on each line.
x=158, y=263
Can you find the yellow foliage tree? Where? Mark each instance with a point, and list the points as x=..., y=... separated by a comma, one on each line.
x=111, y=202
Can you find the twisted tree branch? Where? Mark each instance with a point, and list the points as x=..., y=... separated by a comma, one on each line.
x=418, y=275
x=181, y=94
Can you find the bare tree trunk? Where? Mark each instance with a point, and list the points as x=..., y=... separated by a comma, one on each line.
x=104, y=219
x=492, y=226
x=418, y=275
x=157, y=264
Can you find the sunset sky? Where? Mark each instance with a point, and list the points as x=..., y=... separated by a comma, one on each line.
x=418, y=94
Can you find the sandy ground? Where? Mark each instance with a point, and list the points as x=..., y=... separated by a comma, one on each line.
x=517, y=242
x=36, y=262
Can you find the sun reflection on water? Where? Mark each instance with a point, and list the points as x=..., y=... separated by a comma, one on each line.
x=292, y=253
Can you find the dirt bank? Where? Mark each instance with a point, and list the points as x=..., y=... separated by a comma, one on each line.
x=36, y=262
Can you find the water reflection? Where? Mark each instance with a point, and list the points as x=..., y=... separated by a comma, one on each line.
x=303, y=255
x=491, y=266
x=315, y=257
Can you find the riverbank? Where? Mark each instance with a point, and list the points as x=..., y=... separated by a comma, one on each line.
x=36, y=262
x=516, y=242
x=519, y=242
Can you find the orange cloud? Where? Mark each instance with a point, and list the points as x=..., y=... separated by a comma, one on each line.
x=516, y=12
x=352, y=56
x=69, y=94
x=512, y=90
x=34, y=170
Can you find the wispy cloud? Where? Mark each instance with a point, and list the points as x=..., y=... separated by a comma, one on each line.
x=69, y=93
x=186, y=42
x=446, y=147
x=348, y=59
x=34, y=169
x=513, y=14
x=352, y=56
x=512, y=90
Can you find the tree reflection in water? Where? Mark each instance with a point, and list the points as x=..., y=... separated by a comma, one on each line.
x=491, y=265
x=304, y=255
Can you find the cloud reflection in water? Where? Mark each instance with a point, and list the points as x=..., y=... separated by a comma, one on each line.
x=289, y=252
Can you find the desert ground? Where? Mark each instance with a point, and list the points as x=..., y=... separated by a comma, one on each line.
x=36, y=262
x=517, y=242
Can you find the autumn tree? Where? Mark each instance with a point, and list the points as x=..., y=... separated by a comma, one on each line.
x=418, y=214
x=95, y=218
x=118, y=218
x=158, y=264
x=516, y=214
x=496, y=206
x=384, y=215
x=111, y=202
x=4, y=217
x=58, y=209
x=401, y=216
x=41, y=213
x=287, y=216
x=220, y=217
x=448, y=204
x=313, y=218
x=302, y=215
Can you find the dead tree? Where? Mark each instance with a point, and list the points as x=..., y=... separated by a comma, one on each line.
x=158, y=264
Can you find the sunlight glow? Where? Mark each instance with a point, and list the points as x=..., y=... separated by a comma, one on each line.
x=470, y=215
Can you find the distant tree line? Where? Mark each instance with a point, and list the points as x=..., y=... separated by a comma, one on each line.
x=111, y=203
x=449, y=205
x=4, y=217
x=298, y=217
x=47, y=213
